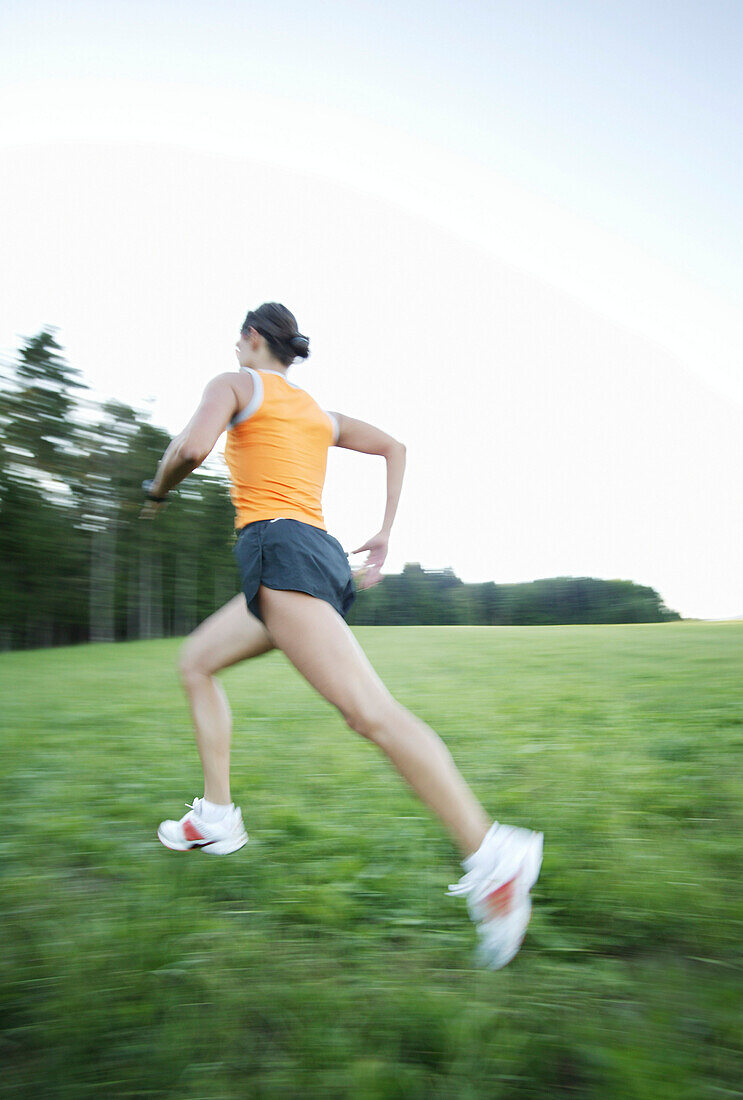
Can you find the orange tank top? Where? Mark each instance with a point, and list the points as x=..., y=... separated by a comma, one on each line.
x=277, y=453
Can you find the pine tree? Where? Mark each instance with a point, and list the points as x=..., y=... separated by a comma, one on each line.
x=41, y=573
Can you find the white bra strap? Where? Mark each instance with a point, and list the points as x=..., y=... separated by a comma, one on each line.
x=255, y=402
x=336, y=428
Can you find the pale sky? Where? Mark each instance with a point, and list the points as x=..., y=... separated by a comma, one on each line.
x=512, y=232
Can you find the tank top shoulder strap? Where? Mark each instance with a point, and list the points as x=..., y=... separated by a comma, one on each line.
x=255, y=402
x=334, y=425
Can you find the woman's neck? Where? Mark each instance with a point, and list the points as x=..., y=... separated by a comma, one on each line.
x=278, y=369
x=267, y=362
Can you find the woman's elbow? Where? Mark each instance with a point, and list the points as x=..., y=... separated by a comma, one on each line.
x=191, y=454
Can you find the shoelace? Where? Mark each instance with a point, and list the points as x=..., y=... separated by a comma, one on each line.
x=197, y=809
x=466, y=884
x=492, y=847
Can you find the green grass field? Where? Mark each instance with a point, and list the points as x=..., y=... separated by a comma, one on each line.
x=324, y=959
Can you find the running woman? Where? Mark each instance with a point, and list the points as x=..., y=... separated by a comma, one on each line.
x=297, y=589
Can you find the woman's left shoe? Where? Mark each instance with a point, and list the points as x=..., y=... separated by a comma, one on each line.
x=498, y=879
x=218, y=838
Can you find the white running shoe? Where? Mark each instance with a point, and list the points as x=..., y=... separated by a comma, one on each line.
x=219, y=838
x=499, y=876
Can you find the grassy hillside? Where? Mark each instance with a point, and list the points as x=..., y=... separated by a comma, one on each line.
x=324, y=959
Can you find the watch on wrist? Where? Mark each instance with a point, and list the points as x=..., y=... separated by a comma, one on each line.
x=147, y=488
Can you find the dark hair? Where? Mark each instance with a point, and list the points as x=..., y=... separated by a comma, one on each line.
x=279, y=327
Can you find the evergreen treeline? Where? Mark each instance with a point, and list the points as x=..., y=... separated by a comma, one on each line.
x=77, y=563
x=427, y=597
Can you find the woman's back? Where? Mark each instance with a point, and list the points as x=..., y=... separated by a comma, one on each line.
x=277, y=450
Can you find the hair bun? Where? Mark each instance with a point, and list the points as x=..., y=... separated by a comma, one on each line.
x=301, y=345
x=278, y=327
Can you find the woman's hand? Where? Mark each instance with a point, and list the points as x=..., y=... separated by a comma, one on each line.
x=151, y=509
x=155, y=501
x=369, y=573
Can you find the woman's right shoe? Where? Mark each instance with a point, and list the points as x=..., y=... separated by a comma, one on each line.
x=218, y=838
x=499, y=876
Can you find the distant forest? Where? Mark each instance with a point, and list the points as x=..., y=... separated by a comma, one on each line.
x=432, y=597
x=77, y=564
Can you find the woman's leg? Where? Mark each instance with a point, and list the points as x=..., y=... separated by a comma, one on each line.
x=320, y=645
x=229, y=635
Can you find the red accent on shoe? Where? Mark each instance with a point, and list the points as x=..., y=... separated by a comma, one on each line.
x=500, y=901
x=191, y=832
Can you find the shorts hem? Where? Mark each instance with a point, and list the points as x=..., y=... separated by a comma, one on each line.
x=286, y=588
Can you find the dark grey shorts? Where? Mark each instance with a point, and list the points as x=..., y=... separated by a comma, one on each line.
x=290, y=555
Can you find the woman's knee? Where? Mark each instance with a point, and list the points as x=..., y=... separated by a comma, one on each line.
x=191, y=666
x=372, y=718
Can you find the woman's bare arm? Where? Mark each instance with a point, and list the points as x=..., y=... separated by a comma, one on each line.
x=189, y=449
x=356, y=435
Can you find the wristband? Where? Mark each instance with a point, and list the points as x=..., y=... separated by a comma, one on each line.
x=147, y=487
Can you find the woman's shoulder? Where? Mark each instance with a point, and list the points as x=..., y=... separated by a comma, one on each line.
x=239, y=383
x=247, y=388
x=240, y=380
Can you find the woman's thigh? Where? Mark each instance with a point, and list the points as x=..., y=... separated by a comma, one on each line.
x=230, y=635
x=318, y=642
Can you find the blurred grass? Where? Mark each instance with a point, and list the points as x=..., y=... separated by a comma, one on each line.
x=324, y=960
